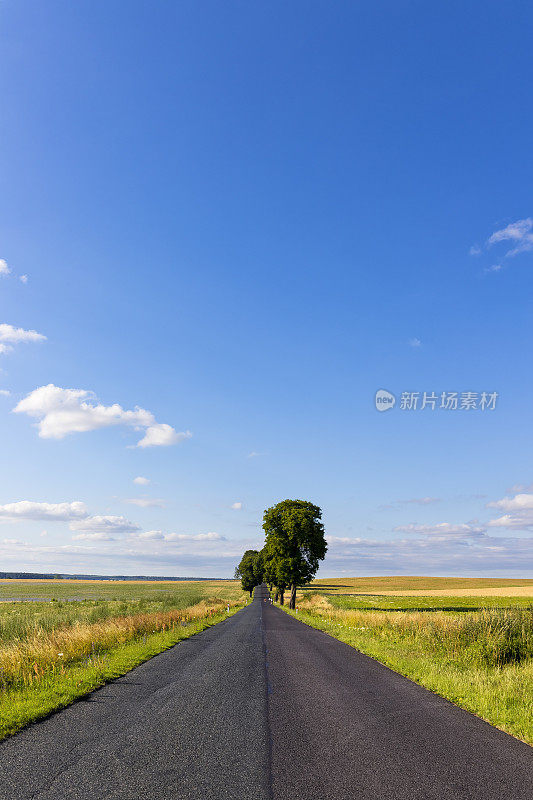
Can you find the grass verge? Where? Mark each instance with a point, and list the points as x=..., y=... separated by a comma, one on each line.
x=466, y=659
x=51, y=691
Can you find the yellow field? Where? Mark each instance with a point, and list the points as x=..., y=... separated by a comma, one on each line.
x=417, y=586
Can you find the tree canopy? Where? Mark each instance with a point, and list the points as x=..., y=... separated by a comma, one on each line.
x=250, y=570
x=294, y=546
x=295, y=542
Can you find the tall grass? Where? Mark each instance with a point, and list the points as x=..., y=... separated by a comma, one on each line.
x=25, y=661
x=51, y=653
x=491, y=637
x=481, y=660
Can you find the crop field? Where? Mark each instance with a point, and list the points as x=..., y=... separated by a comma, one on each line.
x=474, y=648
x=424, y=594
x=69, y=589
x=55, y=650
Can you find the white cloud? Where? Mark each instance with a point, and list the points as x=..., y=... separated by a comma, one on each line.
x=179, y=537
x=5, y=393
x=520, y=516
x=104, y=524
x=150, y=535
x=519, y=502
x=64, y=411
x=101, y=536
x=9, y=336
x=162, y=435
x=26, y=509
x=4, y=269
x=415, y=342
x=23, y=279
x=198, y=537
x=443, y=529
x=475, y=250
x=140, y=481
x=493, y=268
x=146, y=502
x=430, y=555
x=519, y=232
x=237, y=506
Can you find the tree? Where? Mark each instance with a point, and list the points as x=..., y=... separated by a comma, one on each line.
x=250, y=570
x=275, y=572
x=295, y=544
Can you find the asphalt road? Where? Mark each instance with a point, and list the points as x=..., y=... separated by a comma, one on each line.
x=262, y=707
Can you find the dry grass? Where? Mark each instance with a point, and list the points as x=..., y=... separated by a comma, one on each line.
x=43, y=651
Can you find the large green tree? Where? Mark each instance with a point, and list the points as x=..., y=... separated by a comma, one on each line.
x=250, y=570
x=275, y=572
x=295, y=543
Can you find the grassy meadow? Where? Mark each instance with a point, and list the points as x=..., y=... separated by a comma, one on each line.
x=57, y=649
x=469, y=640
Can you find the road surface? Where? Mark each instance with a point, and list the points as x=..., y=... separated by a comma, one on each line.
x=262, y=707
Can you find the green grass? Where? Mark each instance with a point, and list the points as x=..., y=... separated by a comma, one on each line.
x=22, y=705
x=54, y=651
x=482, y=661
x=46, y=590
x=418, y=603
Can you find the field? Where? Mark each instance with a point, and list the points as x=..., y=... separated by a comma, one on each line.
x=469, y=640
x=61, y=639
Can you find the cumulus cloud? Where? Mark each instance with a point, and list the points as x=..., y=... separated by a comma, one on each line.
x=5, y=392
x=162, y=435
x=443, y=529
x=23, y=279
x=104, y=524
x=146, y=502
x=428, y=554
x=179, y=537
x=101, y=536
x=4, y=269
x=519, y=232
x=415, y=342
x=64, y=411
x=10, y=336
x=519, y=502
x=26, y=509
x=520, y=512
x=140, y=481
x=237, y=506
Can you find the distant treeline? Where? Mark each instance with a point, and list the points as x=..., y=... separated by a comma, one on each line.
x=58, y=576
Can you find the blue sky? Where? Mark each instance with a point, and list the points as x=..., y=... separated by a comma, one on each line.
x=233, y=223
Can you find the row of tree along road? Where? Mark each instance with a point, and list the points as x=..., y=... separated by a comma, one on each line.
x=294, y=545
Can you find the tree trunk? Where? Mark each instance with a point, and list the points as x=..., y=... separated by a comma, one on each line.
x=281, y=596
x=251, y=592
x=292, y=602
x=276, y=595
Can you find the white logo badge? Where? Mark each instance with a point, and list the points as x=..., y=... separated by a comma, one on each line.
x=384, y=400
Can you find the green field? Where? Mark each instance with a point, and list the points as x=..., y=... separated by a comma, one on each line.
x=55, y=650
x=14, y=589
